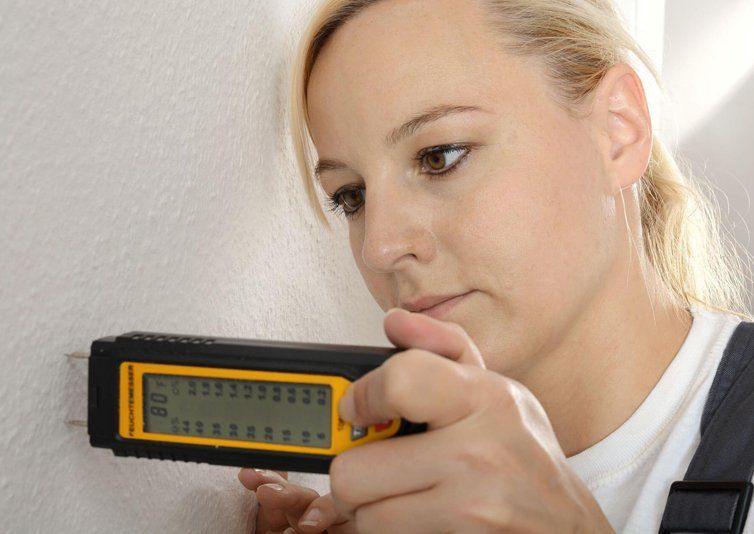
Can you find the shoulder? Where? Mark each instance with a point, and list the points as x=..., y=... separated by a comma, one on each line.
x=711, y=331
x=714, y=320
x=733, y=358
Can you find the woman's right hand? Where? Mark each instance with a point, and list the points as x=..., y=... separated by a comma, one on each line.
x=284, y=505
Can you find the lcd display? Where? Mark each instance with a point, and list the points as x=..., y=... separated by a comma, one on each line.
x=287, y=413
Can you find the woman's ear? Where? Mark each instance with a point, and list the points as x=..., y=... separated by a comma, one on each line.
x=623, y=126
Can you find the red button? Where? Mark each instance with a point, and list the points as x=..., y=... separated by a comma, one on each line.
x=382, y=426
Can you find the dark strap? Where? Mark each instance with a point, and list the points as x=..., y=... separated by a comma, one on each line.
x=715, y=494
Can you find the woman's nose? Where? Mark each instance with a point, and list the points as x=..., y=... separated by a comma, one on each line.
x=397, y=228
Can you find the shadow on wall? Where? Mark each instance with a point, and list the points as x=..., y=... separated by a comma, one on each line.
x=707, y=55
x=720, y=148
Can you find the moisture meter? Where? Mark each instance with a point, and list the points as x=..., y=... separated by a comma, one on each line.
x=226, y=401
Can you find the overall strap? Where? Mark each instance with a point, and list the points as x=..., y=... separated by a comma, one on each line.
x=716, y=491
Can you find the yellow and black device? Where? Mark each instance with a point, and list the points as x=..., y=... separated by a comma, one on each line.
x=226, y=401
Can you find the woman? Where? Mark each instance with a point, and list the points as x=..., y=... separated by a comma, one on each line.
x=564, y=294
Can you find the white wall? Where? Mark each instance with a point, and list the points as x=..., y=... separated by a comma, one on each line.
x=709, y=113
x=146, y=182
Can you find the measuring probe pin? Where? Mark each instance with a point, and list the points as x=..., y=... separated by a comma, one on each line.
x=76, y=422
x=77, y=355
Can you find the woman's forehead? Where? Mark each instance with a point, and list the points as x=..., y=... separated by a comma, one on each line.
x=398, y=58
x=396, y=43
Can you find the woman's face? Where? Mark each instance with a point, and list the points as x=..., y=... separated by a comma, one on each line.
x=525, y=220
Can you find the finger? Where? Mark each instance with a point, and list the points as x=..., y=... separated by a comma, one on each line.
x=417, y=385
x=252, y=477
x=267, y=518
x=399, y=473
x=319, y=515
x=415, y=330
x=283, y=503
x=420, y=510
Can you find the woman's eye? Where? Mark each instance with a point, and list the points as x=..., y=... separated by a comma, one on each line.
x=348, y=200
x=352, y=198
x=440, y=160
x=436, y=161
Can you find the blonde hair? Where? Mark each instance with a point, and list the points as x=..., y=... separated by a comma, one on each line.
x=578, y=41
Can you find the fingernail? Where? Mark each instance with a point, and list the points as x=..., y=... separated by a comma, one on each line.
x=289, y=530
x=396, y=310
x=347, y=405
x=276, y=487
x=311, y=518
x=243, y=475
x=262, y=471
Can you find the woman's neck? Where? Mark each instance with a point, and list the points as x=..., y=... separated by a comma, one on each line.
x=614, y=356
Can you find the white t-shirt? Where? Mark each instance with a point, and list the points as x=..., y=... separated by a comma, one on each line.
x=630, y=471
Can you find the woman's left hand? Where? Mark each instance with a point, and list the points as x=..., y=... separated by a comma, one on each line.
x=489, y=461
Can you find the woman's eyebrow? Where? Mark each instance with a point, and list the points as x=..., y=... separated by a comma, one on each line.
x=432, y=114
x=401, y=132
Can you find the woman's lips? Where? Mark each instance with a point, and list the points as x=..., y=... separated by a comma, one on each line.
x=438, y=311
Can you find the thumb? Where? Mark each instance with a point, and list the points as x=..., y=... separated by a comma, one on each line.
x=407, y=329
